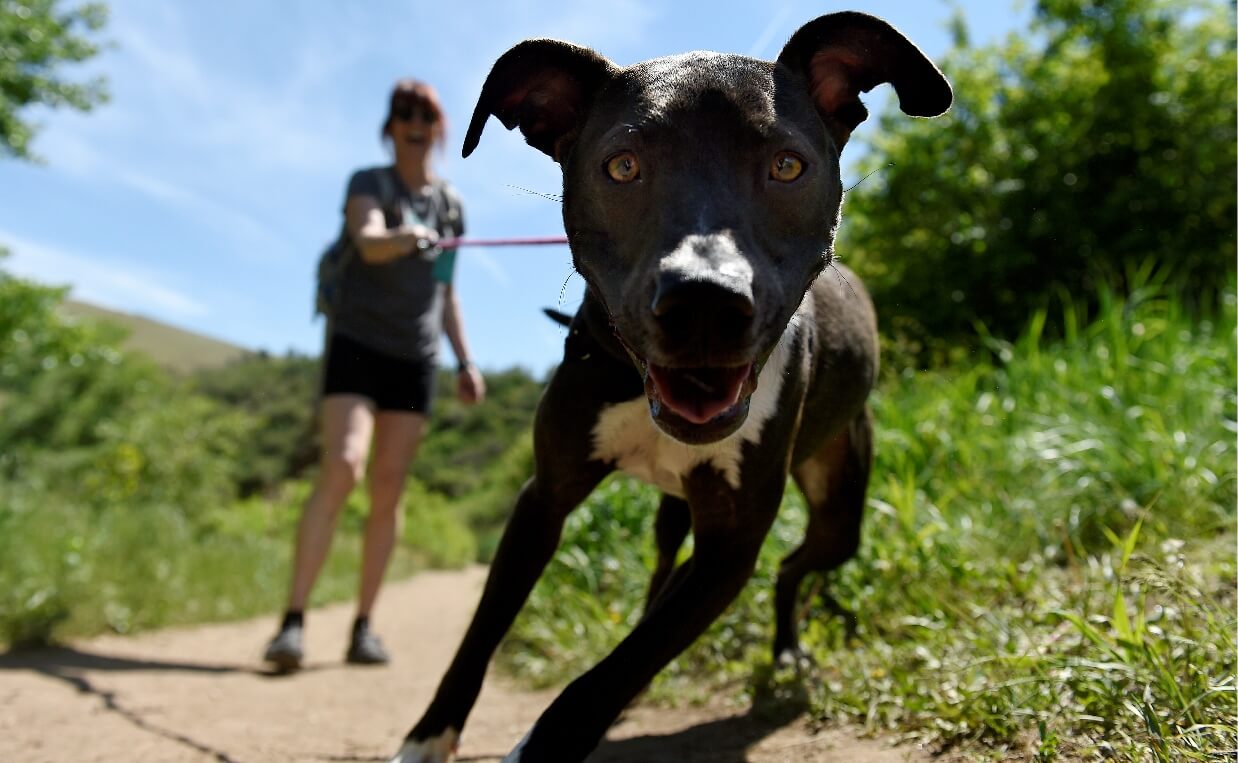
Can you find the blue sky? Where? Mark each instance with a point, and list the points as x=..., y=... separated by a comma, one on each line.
x=203, y=192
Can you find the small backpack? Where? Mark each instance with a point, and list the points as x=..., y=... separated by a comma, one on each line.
x=334, y=260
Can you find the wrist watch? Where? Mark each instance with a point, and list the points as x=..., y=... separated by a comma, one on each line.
x=464, y=365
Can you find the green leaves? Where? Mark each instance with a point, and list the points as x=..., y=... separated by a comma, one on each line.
x=37, y=39
x=76, y=410
x=278, y=396
x=1100, y=139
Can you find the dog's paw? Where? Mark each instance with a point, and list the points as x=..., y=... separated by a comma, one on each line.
x=439, y=749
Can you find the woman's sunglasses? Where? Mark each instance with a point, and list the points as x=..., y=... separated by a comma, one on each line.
x=406, y=111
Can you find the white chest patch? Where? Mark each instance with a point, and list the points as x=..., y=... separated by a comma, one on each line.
x=626, y=435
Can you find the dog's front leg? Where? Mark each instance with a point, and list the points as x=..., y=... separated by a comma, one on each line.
x=528, y=543
x=670, y=528
x=728, y=529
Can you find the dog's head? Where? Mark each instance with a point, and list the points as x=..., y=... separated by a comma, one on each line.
x=701, y=191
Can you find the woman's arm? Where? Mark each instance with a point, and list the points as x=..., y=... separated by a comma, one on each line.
x=470, y=386
x=374, y=240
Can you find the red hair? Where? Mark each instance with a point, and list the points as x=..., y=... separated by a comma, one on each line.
x=417, y=94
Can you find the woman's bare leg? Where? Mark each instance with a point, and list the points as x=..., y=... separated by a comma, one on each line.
x=396, y=438
x=347, y=426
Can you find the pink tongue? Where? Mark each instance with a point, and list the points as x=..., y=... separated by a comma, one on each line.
x=698, y=397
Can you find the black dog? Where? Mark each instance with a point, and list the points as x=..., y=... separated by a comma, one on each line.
x=701, y=195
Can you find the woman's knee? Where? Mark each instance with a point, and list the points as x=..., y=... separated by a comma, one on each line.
x=347, y=426
x=342, y=471
x=386, y=484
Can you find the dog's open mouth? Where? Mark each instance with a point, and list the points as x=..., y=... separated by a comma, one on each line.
x=699, y=404
x=698, y=395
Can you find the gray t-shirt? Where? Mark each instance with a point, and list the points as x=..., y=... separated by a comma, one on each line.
x=396, y=307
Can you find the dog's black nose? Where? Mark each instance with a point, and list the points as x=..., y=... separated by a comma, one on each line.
x=703, y=315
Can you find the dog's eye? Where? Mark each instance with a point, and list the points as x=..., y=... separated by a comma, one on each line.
x=623, y=167
x=786, y=167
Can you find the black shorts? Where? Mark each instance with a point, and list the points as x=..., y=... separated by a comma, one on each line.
x=394, y=384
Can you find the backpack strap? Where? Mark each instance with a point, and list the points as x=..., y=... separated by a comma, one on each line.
x=388, y=196
x=447, y=207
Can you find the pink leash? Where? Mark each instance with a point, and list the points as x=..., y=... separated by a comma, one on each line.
x=454, y=243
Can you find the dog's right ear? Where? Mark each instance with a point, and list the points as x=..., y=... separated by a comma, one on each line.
x=544, y=87
x=844, y=54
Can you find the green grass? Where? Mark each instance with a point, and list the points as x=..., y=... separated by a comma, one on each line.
x=1048, y=567
x=129, y=497
x=72, y=569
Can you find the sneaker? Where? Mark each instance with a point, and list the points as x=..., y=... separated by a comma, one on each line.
x=284, y=651
x=366, y=649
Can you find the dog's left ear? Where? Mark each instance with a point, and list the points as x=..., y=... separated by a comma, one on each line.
x=845, y=54
x=545, y=88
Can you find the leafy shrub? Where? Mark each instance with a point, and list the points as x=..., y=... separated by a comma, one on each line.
x=434, y=530
x=464, y=441
x=279, y=396
x=1102, y=138
x=486, y=509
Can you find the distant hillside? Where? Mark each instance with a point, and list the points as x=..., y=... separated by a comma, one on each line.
x=171, y=347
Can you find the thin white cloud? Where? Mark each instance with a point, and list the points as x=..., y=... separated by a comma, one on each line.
x=69, y=153
x=156, y=188
x=215, y=214
x=490, y=266
x=760, y=47
x=613, y=23
x=73, y=155
x=108, y=283
x=185, y=97
x=78, y=156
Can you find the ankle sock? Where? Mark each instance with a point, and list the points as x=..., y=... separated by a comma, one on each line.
x=361, y=624
x=293, y=618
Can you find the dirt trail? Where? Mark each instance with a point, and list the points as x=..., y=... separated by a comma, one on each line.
x=201, y=694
